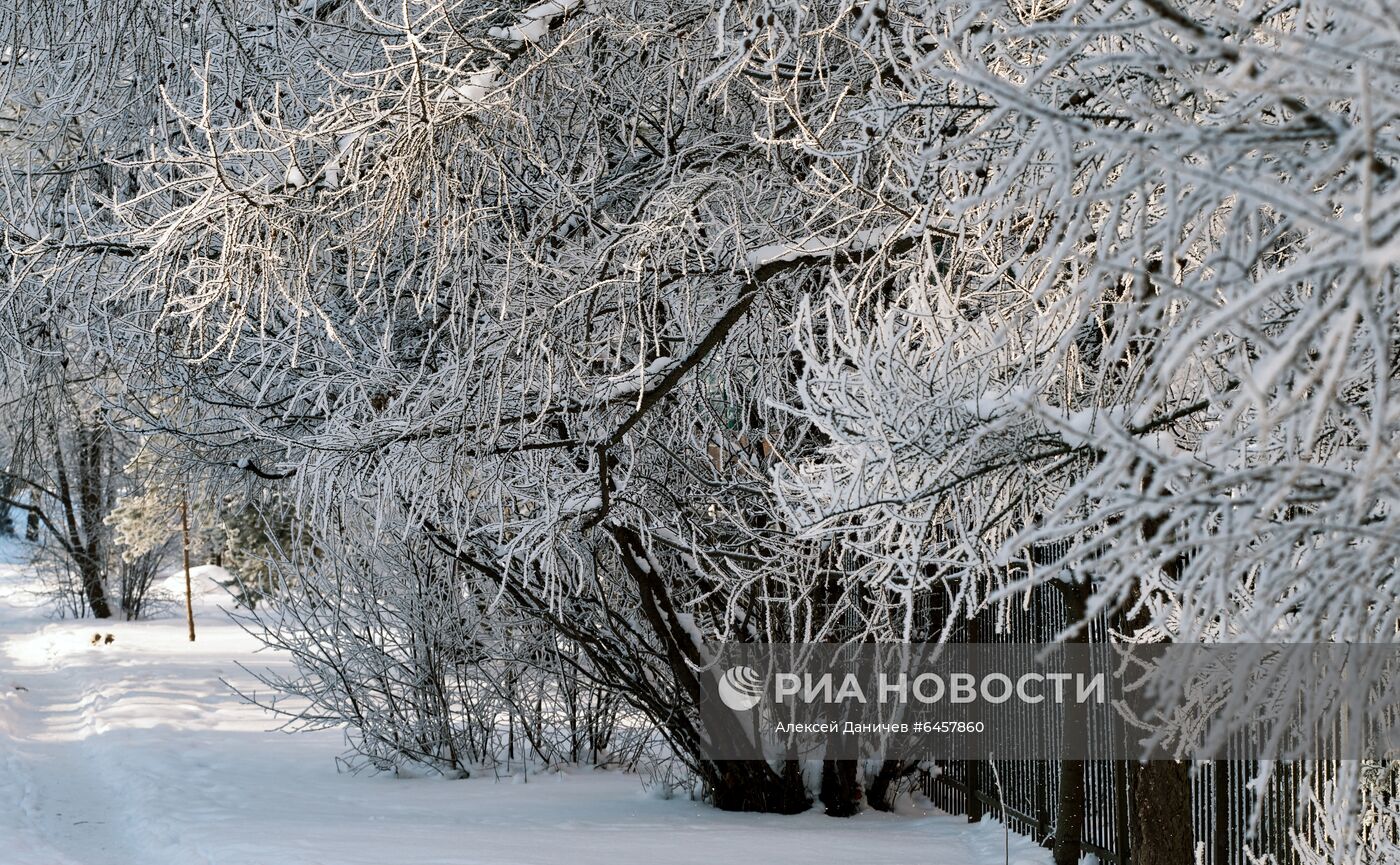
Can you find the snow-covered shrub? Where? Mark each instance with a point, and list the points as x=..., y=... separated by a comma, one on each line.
x=420, y=658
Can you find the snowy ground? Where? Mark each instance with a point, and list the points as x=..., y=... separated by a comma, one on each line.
x=134, y=753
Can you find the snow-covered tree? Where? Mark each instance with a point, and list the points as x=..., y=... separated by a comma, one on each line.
x=1150, y=362
x=495, y=288
x=662, y=323
x=1159, y=335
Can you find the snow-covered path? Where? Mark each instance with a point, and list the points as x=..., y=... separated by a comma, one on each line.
x=134, y=753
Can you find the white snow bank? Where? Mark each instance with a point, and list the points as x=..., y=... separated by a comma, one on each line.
x=204, y=580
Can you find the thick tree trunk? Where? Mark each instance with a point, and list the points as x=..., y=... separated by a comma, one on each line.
x=752, y=785
x=1069, y=809
x=840, y=791
x=7, y=523
x=978, y=782
x=91, y=438
x=1162, y=814
x=31, y=525
x=90, y=573
x=86, y=533
x=1069, y=813
x=880, y=792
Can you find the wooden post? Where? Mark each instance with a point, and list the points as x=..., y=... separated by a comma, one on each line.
x=185, y=535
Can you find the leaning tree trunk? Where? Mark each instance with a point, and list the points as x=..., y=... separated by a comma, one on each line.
x=733, y=785
x=736, y=785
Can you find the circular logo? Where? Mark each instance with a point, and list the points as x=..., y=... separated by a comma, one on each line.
x=741, y=688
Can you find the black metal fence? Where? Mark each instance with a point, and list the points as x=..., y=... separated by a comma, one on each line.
x=1226, y=820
